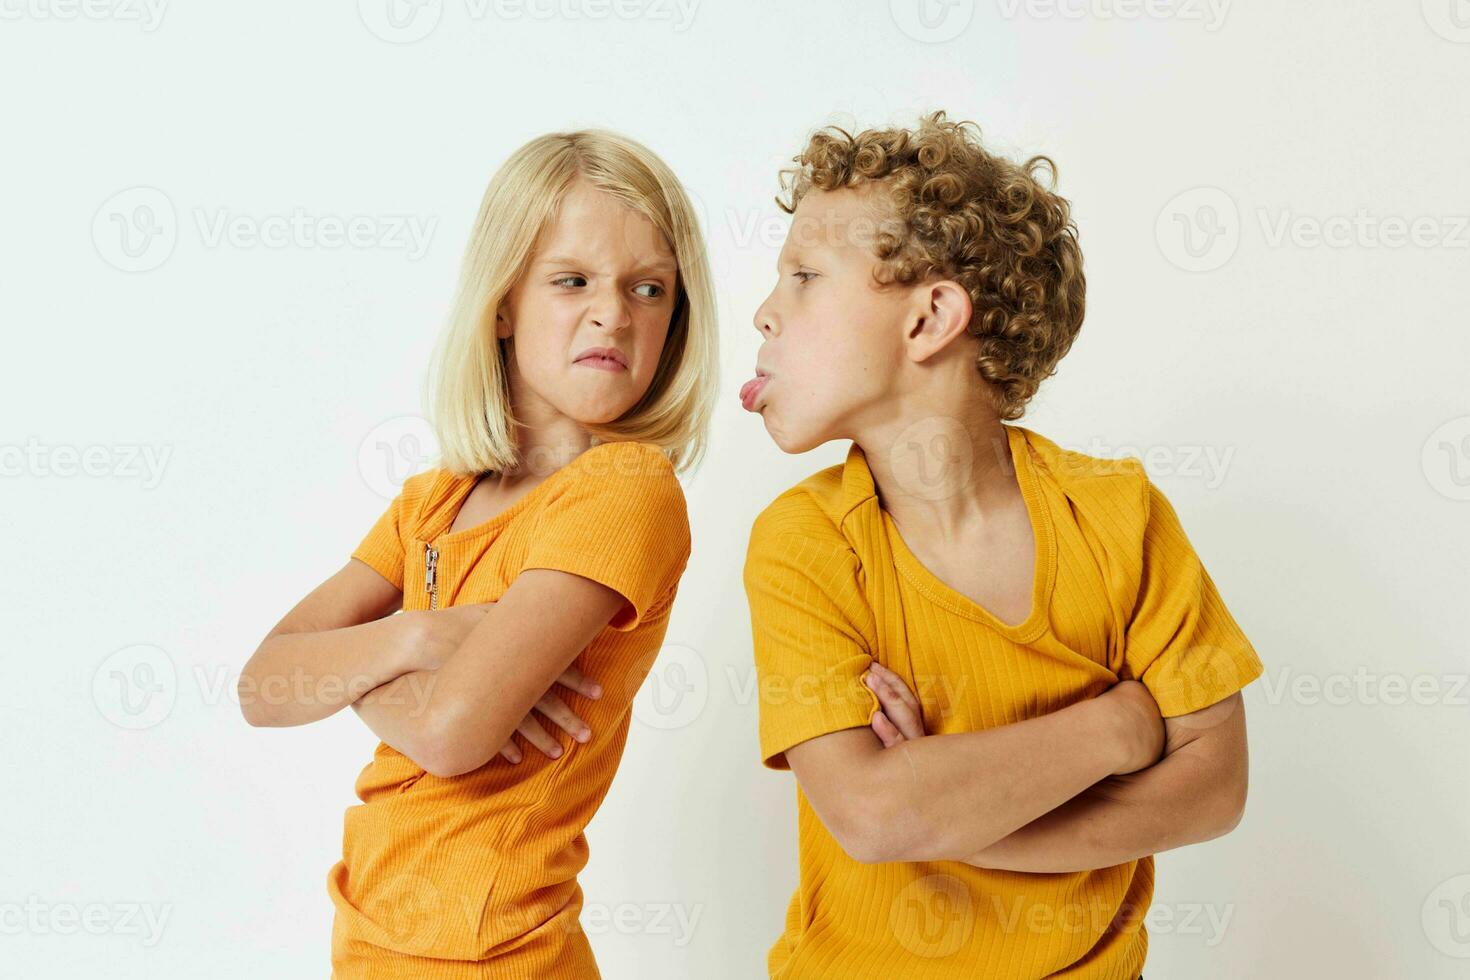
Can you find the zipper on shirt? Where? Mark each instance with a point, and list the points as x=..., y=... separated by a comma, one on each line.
x=431, y=574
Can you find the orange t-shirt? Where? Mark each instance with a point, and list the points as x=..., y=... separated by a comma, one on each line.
x=476, y=875
x=1117, y=593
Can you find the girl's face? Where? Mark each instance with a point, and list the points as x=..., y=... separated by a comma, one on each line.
x=590, y=315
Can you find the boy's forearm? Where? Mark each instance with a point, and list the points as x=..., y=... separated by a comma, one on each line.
x=297, y=678
x=957, y=795
x=1170, y=804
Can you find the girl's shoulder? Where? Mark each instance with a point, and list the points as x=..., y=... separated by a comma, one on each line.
x=624, y=462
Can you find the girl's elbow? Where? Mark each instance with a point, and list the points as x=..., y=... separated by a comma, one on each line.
x=450, y=746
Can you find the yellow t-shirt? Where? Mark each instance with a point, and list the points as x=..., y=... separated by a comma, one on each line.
x=1118, y=593
x=476, y=875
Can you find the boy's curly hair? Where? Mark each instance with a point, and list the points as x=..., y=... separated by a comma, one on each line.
x=973, y=217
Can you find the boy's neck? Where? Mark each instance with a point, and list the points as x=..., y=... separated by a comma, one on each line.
x=939, y=474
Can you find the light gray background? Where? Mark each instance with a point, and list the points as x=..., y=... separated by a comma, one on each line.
x=1296, y=383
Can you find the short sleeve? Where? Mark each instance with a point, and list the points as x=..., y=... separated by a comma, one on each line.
x=619, y=519
x=811, y=627
x=1181, y=641
x=382, y=548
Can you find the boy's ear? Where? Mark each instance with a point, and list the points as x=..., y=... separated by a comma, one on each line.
x=941, y=313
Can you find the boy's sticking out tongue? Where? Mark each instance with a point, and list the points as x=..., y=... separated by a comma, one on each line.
x=751, y=390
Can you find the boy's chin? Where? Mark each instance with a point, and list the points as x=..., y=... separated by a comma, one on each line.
x=793, y=443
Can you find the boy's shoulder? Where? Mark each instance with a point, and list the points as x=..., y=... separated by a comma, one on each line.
x=1084, y=478
x=814, y=508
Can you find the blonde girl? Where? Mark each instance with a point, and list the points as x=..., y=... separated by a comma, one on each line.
x=535, y=566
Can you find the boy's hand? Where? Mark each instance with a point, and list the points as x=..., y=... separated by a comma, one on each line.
x=553, y=707
x=900, y=718
x=1140, y=725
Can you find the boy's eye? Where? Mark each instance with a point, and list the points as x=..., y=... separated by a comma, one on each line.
x=655, y=290
x=570, y=281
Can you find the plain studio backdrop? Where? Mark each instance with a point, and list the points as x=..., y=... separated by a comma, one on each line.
x=229, y=236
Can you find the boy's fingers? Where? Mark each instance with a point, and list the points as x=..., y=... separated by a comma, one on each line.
x=554, y=708
x=579, y=682
x=886, y=731
x=904, y=718
x=537, y=736
x=903, y=711
x=902, y=689
x=511, y=752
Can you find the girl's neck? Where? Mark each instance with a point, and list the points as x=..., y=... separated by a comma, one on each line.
x=546, y=439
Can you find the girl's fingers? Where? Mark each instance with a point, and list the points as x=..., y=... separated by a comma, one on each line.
x=511, y=752
x=554, y=708
x=538, y=736
x=579, y=682
x=886, y=731
x=890, y=690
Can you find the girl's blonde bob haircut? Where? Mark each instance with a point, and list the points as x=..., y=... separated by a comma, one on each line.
x=470, y=399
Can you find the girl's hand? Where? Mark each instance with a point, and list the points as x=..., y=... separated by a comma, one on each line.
x=553, y=707
x=900, y=718
x=437, y=633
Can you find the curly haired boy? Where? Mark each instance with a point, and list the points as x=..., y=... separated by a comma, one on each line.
x=998, y=669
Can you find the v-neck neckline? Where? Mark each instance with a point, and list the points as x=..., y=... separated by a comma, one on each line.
x=1044, y=544
x=459, y=490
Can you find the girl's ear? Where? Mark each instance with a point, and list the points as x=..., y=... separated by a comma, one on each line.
x=502, y=325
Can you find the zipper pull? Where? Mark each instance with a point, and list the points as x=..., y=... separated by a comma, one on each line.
x=431, y=559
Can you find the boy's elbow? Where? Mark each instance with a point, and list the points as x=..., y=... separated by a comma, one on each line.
x=874, y=834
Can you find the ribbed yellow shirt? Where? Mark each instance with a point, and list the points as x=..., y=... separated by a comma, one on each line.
x=1118, y=593
x=476, y=875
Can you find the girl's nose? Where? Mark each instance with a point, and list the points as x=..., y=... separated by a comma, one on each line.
x=609, y=311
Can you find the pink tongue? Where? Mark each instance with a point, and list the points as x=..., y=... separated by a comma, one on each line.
x=745, y=388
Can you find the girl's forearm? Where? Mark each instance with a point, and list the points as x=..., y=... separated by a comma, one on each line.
x=298, y=678
x=397, y=712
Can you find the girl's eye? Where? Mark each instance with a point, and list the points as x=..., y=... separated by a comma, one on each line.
x=656, y=290
x=803, y=276
x=570, y=281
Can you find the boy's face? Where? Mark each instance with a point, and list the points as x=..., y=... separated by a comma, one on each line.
x=833, y=346
x=601, y=276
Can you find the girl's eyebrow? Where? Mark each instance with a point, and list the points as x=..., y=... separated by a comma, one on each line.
x=661, y=265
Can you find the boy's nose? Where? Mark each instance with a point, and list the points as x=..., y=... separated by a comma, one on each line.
x=765, y=322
